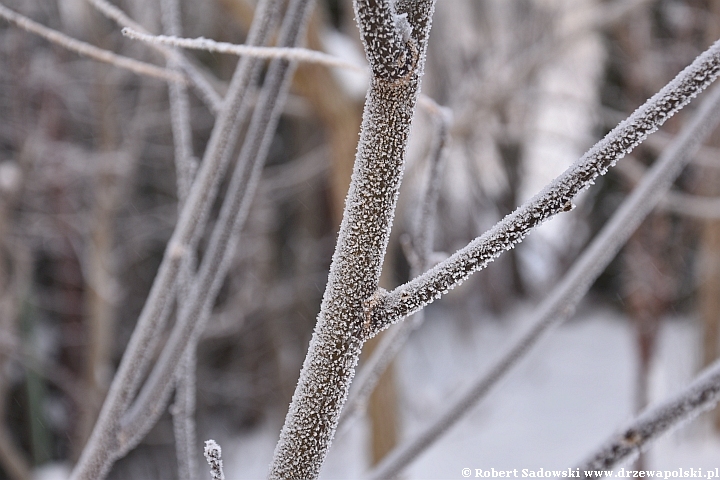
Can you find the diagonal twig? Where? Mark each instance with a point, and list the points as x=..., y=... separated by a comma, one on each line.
x=88, y=50
x=289, y=53
x=206, y=91
x=561, y=302
x=389, y=308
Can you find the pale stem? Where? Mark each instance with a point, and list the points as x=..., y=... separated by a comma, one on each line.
x=91, y=51
x=106, y=443
x=205, y=91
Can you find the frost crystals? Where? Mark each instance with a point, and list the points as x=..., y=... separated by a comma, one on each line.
x=213, y=455
x=555, y=198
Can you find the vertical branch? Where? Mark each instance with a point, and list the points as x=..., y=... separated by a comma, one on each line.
x=223, y=241
x=395, y=50
x=107, y=443
x=183, y=411
x=185, y=163
x=419, y=250
x=213, y=455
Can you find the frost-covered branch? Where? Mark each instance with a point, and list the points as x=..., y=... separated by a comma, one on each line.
x=288, y=53
x=213, y=455
x=557, y=197
x=702, y=394
x=561, y=302
x=390, y=44
x=91, y=51
x=420, y=251
x=364, y=233
x=206, y=92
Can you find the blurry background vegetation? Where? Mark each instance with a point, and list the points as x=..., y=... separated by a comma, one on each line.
x=88, y=200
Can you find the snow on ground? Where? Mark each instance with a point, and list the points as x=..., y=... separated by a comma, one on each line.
x=563, y=400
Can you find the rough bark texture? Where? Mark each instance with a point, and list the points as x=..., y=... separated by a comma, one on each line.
x=364, y=233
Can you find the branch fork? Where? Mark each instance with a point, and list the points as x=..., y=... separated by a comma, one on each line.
x=391, y=43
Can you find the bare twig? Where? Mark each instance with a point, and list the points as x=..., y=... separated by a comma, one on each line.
x=91, y=51
x=206, y=92
x=197, y=305
x=108, y=441
x=702, y=394
x=561, y=302
x=557, y=197
x=289, y=53
x=183, y=411
x=185, y=163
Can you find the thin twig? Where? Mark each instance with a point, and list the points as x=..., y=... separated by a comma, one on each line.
x=701, y=395
x=289, y=53
x=107, y=442
x=183, y=411
x=561, y=302
x=223, y=240
x=205, y=90
x=389, y=308
x=91, y=51
x=185, y=164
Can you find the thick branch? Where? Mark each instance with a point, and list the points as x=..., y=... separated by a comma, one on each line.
x=555, y=198
x=387, y=35
x=420, y=251
x=355, y=271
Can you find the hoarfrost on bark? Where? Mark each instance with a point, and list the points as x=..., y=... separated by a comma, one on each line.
x=414, y=295
x=213, y=455
x=364, y=232
x=560, y=304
